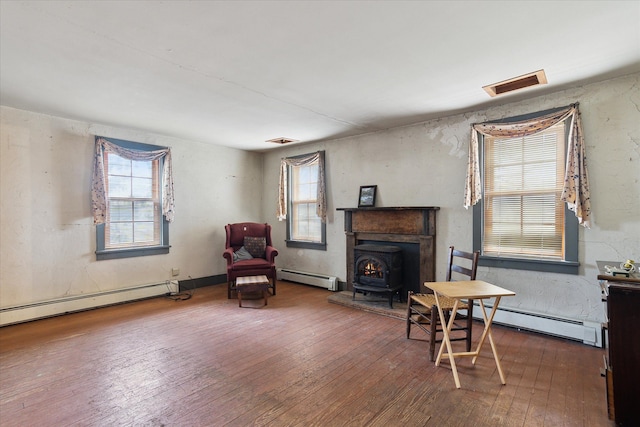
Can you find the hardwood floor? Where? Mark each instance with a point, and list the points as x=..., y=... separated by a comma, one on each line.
x=300, y=361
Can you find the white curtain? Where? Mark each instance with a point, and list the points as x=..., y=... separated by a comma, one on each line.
x=98, y=184
x=321, y=206
x=576, y=182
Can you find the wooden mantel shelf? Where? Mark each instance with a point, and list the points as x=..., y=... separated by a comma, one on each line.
x=405, y=224
x=412, y=220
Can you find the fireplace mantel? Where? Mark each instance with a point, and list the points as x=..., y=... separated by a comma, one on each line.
x=412, y=225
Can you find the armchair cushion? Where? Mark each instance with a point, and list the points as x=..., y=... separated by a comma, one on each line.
x=255, y=246
x=241, y=254
x=241, y=267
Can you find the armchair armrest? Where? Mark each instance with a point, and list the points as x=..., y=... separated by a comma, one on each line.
x=228, y=255
x=270, y=253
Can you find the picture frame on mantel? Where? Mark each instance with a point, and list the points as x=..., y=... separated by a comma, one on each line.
x=367, y=198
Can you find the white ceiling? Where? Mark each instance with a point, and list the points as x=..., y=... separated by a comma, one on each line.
x=237, y=73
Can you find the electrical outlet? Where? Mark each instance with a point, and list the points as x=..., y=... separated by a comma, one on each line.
x=175, y=272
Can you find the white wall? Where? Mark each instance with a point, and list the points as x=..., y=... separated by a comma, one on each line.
x=425, y=165
x=47, y=236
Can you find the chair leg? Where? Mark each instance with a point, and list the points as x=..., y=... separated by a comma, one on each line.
x=409, y=313
x=432, y=335
x=228, y=289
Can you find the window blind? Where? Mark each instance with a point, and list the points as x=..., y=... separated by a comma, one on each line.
x=523, y=180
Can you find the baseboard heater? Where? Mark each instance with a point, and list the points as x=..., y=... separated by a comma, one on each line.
x=314, y=279
x=39, y=310
x=584, y=331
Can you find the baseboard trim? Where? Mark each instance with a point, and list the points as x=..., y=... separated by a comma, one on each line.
x=201, y=282
x=81, y=302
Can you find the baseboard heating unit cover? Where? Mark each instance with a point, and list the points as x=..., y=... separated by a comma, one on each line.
x=39, y=310
x=587, y=332
x=314, y=279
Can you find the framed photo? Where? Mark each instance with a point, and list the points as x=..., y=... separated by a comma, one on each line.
x=367, y=197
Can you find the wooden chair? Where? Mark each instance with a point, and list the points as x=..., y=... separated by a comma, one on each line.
x=422, y=310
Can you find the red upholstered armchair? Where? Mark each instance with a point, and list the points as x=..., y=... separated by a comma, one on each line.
x=249, y=252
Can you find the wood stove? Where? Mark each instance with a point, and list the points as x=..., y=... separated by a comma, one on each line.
x=412, y=228
x=378, y=269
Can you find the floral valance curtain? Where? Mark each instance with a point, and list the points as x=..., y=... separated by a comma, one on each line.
x=98, y=184
x=576, y=183
x=321, y=207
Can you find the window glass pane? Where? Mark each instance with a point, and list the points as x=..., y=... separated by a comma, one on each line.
x=305, y=174
x=144, y=211
x=143, y=231
x=302, y=211
x=306, y=192
x=142, y=169
x=119, y=186
x=315, y=229
x=507, y=178
x=302, y=227
x=120, y=211
x=142, y=187
x=307, y=225
x=120, y=232
x=118, y=165
x=539, y=176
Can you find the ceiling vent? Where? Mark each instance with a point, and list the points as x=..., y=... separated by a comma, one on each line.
x=532, y=79
x=282, y=140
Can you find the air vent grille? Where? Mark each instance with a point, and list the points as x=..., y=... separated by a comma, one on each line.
x=282, y=140
x=506, y=86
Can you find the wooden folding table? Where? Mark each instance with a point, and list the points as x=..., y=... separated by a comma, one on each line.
x=468, y=289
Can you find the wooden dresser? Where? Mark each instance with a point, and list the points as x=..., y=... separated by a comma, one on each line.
x=622, y=329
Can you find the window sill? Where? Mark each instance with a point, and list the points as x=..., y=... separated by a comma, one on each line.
x=306, y=245
x=563, y=267
x=131, y=252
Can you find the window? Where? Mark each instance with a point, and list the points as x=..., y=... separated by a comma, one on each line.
x=305, y=201
x=521, y=221
x=305, y=224
x=523, y=213
x=134, y=224
x=134, y=203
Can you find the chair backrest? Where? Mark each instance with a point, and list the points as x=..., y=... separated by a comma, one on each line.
x=237, y=232
x=467, y=271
